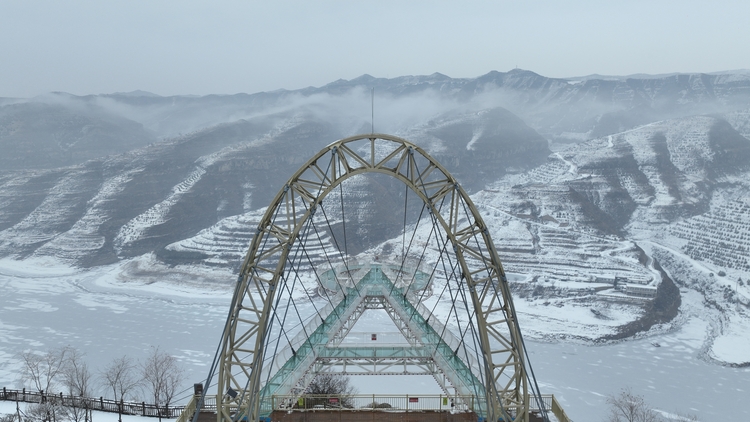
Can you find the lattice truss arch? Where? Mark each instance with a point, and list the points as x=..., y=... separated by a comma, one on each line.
x=262, y=270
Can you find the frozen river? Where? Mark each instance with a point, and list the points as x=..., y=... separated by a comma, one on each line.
x=672, y=377
x=50, y=307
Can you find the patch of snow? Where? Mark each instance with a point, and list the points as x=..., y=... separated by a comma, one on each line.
x=572, y=169
x=84, y=237
x=475, y=137
x=136, y=228
x=733, y=344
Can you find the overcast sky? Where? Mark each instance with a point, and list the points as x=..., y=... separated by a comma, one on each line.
x=226, y=47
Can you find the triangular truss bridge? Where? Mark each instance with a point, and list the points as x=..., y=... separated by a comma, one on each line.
x=429, y=348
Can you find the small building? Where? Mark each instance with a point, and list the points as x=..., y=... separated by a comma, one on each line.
x=641, y=291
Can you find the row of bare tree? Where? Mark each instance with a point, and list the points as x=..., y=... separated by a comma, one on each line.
x=630, y=407
x=158, y=377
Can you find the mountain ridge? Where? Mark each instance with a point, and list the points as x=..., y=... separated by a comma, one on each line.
x=556, y=107
x=576, y=180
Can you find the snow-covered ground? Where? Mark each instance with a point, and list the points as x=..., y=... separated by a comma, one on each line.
x=666, y=369
x=47, y=305
x=105, y=314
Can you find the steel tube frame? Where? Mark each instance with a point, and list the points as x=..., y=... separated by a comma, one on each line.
x=263, y=266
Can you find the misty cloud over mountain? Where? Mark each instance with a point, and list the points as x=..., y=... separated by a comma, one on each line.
x=99, y=178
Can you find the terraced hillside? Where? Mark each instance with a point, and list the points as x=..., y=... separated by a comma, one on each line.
x=583, y=183
x=174, y=192
x=720, y=236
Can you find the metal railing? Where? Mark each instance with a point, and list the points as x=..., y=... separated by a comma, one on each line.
x=400, y=403
x=209, y=404
x=92, y=403
x=372, y=402
x=551, y=404
x=558, y=411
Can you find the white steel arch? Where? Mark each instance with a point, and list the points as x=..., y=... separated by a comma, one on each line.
x=261, y=276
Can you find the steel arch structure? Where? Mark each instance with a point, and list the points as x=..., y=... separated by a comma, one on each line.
x=262, y=274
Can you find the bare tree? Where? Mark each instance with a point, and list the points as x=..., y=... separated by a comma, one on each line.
x=75, y=411
x=331, y=384
x=162, y=376
x=43, y=370
x=77, y=379
x=629, y=407
x=119, y=376
x=48, y=411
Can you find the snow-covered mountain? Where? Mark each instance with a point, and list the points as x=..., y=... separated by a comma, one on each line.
x=583, y=182
x=559, y=109
x=129, y=204
x=674, y=190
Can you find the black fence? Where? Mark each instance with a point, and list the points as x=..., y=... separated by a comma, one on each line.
x=92, y=403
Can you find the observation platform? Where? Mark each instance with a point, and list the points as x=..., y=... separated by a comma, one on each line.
x=345, y=275
x=380, y=408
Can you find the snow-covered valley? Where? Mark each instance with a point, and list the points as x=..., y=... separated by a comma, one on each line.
x=624, y=227
x=108, y=313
